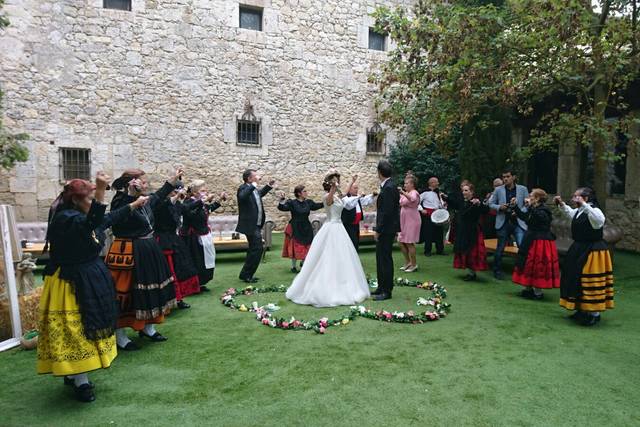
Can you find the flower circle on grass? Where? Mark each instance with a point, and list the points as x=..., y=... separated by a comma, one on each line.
x=266, y=314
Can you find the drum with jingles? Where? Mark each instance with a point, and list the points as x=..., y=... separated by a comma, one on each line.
x=440, y=217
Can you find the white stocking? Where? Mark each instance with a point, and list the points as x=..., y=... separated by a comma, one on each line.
x=149, y=329
x=80, y=379
x=121, y=337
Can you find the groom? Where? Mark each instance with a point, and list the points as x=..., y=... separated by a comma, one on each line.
x=387, y=225
x=251, y=218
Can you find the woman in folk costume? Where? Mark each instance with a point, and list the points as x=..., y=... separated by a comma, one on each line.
x=78, y=309
x=537, y=266
x=586, y=284
x=469, y=249
x=195, y=230
x=168, y=215
x=298, y=234
x=144, y=284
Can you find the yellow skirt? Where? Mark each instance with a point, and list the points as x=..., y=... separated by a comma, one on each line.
x=62, y=347
x=596, y=284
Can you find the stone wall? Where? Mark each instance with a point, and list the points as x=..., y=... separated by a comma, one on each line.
x=163, y=84
x=626, y=215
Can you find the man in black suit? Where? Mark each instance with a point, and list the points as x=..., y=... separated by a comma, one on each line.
x=251, y=219
x=387, y=225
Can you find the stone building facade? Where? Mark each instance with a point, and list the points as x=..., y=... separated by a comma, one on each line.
x=165, y=83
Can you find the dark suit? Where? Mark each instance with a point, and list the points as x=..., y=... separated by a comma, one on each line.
x=387, y=225
x=250, y=225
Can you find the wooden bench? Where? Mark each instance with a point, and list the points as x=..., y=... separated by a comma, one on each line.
x=492, y=244
x=367, y=236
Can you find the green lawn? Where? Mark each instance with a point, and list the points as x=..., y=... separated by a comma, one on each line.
x=496, y=360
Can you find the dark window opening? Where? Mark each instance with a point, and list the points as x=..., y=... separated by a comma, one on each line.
x=543, y=171
x=251, y=18
x=618, y=168
x=248, y=132
x=75, y=163
x=377, y=41
x=117, y=4
x=375, y=142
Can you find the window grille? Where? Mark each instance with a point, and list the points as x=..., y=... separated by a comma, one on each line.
x=251, y=18
x=117, y=4
x=248, y=127
x=375, y=140
x=377, y=41
x=75, y=163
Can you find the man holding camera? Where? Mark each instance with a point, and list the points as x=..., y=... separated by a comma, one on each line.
x=507, y=223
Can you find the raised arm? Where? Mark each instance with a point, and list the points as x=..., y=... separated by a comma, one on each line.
x=367, y=200
x=350, y=202
x=245, y=192
x=596, y=217
x=284, y=205
x=331, y=194
x=315, y=206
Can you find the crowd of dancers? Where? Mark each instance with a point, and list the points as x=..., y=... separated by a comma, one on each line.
x=163, y=251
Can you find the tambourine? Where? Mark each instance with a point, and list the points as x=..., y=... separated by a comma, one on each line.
x=440, y=217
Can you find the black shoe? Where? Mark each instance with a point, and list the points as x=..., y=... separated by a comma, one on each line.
x=382, y=296
x=70, y=381
x=294, y=270
x=440, y=253
x=578, y=316
x=157, y=337
x=527, y=294
x=183, y=305
x=470, y=277
x=378, y=291
x=252, y=280
x=427, y=254
x=131, y=346
x=538, y=297
x=589, y=320
x=203, y=288
x=84, y=393
x=498, y=275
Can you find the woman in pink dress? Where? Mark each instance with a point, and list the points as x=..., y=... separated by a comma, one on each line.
x=409, y=222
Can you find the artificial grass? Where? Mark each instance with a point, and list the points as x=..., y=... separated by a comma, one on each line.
x=496, y=360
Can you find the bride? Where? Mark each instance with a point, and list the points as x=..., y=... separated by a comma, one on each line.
x=332, y=274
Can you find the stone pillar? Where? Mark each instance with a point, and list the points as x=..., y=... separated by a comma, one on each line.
x=568, y=169
x=632, y=180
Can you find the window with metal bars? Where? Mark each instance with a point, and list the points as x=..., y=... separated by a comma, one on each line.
x=375, y=142
x=75, y=163
x=251, y=18
x=117, y=4
x=248, y=132
x=377, y=41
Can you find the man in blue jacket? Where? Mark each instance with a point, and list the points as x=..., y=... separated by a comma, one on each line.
x=507, y=224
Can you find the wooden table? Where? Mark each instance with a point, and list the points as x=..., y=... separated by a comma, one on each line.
x=228, y=243
x=367, y=236
x=34, y=248
x=492, y=244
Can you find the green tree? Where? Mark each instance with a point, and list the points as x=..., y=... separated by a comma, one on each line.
x=12, y=149
x=460, y=62
x=425, y=162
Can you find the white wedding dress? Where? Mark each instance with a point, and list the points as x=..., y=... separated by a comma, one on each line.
x=332, y=274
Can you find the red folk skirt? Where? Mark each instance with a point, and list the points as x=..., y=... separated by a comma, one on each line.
x=292, y=248
x=475, y=258
x=542, y=268
x=185, y=287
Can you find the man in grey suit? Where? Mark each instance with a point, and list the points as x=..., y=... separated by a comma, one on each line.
x=507, y=224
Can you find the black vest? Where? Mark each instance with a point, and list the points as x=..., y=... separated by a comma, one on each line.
x=348, y=216
x=582, y=231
